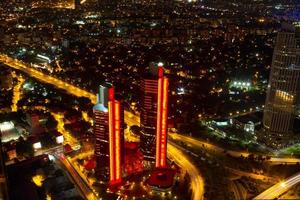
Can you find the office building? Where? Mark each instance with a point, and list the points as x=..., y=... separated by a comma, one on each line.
x=284, y=83
x=108, y=130
x=162, y=120
x=154, y=115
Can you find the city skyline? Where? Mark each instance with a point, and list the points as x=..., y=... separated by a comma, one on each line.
x=158, y=100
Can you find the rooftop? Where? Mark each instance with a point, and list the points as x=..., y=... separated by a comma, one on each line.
x=161, y=178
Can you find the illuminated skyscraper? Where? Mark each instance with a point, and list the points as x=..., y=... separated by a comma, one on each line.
x=148, y=118
x=284, y=83
x=154, y=116
x=162, y=120
x=108, y=130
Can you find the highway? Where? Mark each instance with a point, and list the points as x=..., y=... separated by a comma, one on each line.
x=197, y=181
x=76, y=91
x=206, y=145
x=279, y=188
x=252, y=175
x=130, y=119
x=220, y=150
x=271, y=193
x=71, y=89
x=89, y=195
x=291, y=161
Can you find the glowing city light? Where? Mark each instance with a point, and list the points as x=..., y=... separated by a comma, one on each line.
x=60, y=139
x=6, y=126
x=37, y=145
x=114, y=138
x=38, y=180
x=162, y=117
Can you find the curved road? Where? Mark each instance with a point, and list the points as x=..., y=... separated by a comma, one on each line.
x=88, y=193
x=197, y=184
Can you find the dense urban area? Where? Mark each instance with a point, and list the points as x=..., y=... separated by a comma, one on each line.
x=149, y=99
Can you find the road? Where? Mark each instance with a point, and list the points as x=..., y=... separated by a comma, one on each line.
x=220, y=150
x=17, y=92
x=252, y=175
x=279, y=188
x=16, y=64
x=238, y=190
x=89, y=195
x=197, y=182
x=206, y=145
x=130, y=119
x=273, y=192
x=68, y=138
x=291, y=161
x=71, y=89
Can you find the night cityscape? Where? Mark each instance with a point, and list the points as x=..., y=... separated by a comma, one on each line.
x=149, y=99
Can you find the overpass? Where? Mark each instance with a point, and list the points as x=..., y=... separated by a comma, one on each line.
x=278, y=189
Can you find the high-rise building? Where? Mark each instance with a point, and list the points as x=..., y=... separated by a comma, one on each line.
x=148, y=116
x=108, y=130
x=153, y=115
x=284, y=83
x=162, y=120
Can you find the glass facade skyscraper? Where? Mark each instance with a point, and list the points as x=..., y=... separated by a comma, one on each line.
x=284, y=83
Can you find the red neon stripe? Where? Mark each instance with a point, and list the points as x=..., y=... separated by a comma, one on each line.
x=164, y=123
x=111, y=140
x=117, y=140
x=160, y=72
x=158, y=125
x=111, y=94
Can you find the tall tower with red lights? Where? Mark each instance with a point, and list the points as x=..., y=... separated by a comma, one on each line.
x=108, y=131
x=154, y=116
x=162, y=120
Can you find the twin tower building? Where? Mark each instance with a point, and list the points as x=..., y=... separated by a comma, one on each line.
x=109, y=126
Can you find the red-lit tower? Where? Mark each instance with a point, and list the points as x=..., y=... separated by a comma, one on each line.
x=154, y=115
x=162, y=120
x=114, y=121
x=108, y=130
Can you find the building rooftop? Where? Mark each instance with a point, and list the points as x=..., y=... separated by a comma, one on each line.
x=161, y=178
x=100, y=107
